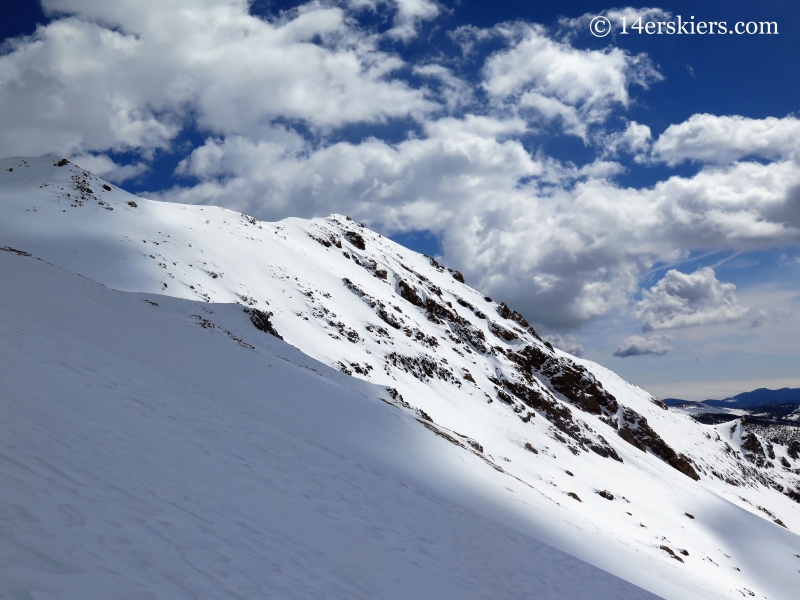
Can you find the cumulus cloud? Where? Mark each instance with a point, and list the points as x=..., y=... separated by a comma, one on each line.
x=455, y=92
x=415, y=184
x=571, y=27
x=127, y=75
x=103, y=166
x=409, y=14
x=468, y=37
x=724, y=139
x=635, y=139
x=687, y=300
x=579, y=87
x=563, y=242
x=566, y=342
x=636, y=345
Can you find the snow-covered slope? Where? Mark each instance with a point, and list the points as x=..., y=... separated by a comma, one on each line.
x=557, y=446
x=142, y=456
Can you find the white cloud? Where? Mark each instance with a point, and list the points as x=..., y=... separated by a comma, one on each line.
x=785, y=259
x=409, y=14
x=565, y=245
x=580, y=25
x=456, y=92
x=724, y=139
x=563, y=242
x=769, y=317
x=103, y=166
x=561, y=81
x=566, y=342
x=416, y=184
x=687, y=300
x=536, y=61
x=126, y=75
x=72, y=87
x=468, y=37
x=551, y=109
x=635, y=139
x=637, y=345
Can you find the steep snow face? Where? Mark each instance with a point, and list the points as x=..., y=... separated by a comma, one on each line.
x=144, y=456
x=612, y=475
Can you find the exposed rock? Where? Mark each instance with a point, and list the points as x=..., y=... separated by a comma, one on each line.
x=576, y=384
x=626, y=433
x=659, y=403
x=409, y=292
x=261, y=320
x=560, y=416
x=422, y=367
x=474, y=310
x=504, y=311
x=320, y=240
x=356, y=239
x=794, y=450
x=502, y=332
x=378, y=306
x=438, y=313
x=793, y=494
x=457, y=276
x=14, y=250
x=669, y=551
x=635, y=430
x=753, y=451
x=434, y=263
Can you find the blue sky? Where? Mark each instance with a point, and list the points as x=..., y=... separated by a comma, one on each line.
x=636, y=196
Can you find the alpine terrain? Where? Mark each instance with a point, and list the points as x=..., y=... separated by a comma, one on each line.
x=198, y=404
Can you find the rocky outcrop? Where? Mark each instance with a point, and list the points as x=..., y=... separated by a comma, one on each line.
x=633, y=428
x=754, y=451
x=569, y=379
x=261, y=321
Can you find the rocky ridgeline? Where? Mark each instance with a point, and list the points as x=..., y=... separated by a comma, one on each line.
x=428, y=325
x=528, y=376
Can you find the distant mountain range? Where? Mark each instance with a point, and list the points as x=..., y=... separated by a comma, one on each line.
x=758, y=397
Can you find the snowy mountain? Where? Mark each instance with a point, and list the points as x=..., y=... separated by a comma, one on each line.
x=417, y=440
x=759, y=397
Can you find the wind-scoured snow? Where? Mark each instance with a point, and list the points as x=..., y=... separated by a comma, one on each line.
x=481, y=418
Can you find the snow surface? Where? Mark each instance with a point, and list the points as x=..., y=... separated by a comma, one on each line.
x=698, y=408
x=165, y=455
x=142, y=456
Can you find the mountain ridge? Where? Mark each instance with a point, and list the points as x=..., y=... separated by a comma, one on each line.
x=751, y=399
x=471, y=369
x=155, y=458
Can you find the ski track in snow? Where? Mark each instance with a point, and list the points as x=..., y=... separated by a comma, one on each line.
x=145, y=455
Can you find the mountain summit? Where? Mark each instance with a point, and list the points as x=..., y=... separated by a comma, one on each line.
x=538, y=446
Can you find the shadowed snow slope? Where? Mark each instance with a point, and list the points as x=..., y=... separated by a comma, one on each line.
x=146, y=457
x=179, y=450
